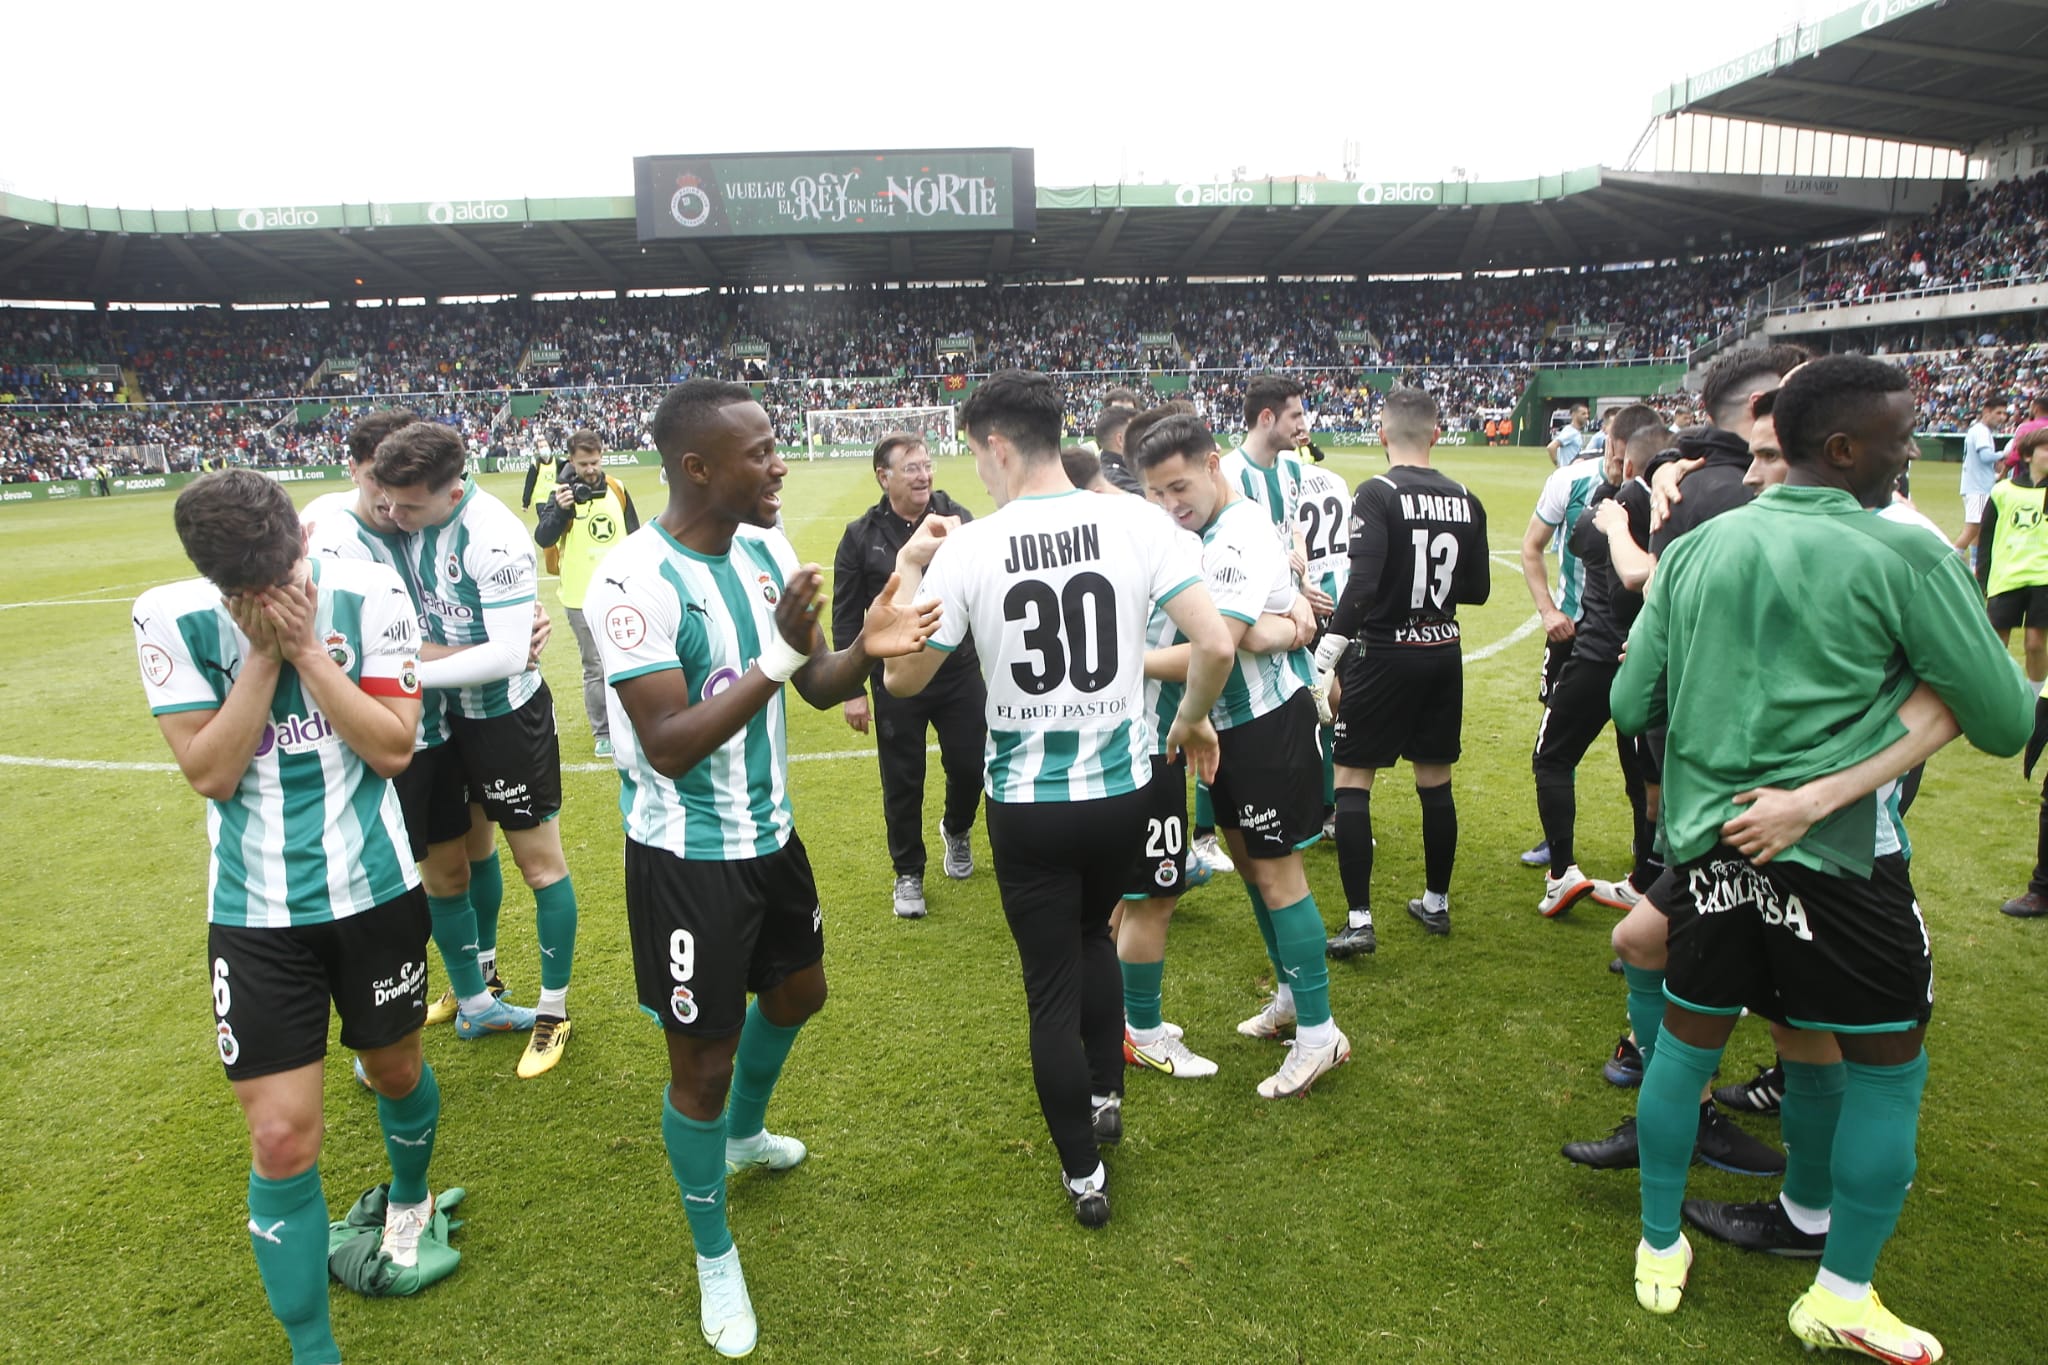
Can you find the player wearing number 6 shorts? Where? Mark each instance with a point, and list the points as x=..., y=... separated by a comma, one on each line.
x=1418, y=551
x=288, y=690
x=1056, y=587
x=701, y=616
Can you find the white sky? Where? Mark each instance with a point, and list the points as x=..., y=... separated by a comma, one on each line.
x=212, y=104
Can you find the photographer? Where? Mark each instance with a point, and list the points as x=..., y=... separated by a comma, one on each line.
x=588, y=513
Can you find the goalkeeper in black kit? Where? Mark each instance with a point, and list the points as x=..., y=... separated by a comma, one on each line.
x=1418, y=551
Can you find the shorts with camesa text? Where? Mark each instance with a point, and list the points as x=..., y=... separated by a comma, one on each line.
x=1847, y=954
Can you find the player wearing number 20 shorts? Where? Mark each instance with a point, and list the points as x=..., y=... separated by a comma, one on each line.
x=1056, y=587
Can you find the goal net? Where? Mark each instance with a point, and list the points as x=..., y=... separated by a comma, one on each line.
x=844, y=433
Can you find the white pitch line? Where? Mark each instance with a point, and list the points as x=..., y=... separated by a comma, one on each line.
x=66, y=602
x=1480, y=655
x=101, y=765
x=1513, y=638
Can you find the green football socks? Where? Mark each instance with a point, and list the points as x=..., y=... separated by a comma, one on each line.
x=1667, y=1130
x=288, y=1232
x=1143, y=982
x=1645, y=1007
x=487, y=897
x=554, y=907
x=696, y=1154
x=408, y=1126
x=1808, y=1116
x=1298, y=949
x=1874, y=1163
x=764, y=1046
x=455, y=934
x=1264, y=918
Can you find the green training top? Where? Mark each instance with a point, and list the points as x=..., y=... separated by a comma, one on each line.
x=1780, y=639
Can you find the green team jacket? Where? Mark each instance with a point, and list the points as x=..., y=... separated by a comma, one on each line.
x=1778, y=641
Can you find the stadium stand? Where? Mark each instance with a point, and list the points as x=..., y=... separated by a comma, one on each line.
x=229, y=382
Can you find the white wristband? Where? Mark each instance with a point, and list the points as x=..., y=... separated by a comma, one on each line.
x=780, y=659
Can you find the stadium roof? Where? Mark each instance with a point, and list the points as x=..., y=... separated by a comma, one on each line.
x=1953, y=73
x=305, y=253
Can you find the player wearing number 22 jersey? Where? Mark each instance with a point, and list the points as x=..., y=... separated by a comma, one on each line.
x=1057, y=587
x=1418, y=550
x=701, y=616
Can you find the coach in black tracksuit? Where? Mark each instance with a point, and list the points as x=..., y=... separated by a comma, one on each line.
x=953, y=702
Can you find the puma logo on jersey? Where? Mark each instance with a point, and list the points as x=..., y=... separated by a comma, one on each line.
x=619, y=583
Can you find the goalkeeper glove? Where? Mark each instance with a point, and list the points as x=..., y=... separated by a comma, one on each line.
x=1327, y=654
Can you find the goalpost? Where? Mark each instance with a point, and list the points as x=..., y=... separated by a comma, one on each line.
x=847, y=433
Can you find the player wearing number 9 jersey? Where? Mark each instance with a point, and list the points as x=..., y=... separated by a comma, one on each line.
x=1418, y=550
x=1057, y=586
x=701, y=616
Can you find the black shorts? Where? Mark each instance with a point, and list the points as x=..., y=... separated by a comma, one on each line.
x=513, y=763
x=1556, y=653
x=706, y=933
x=1800, y=946
x=2020, y=606
x=434, y=797
x=271, y=986
x=1401, y=702
x=1161, y=869
x=1269, y=782
x=1575, y=714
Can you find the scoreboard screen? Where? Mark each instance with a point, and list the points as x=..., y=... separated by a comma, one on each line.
x=819, y=193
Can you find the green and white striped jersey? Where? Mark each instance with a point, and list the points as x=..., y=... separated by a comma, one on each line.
x=1565, y=495
x=312, y=834
x=1247, y=574
x=655, y=605
x=1277, y=490
x=1056, y=591
x=1162, y=698
x=335, y=531
x=1324, y=515
x=479, y=559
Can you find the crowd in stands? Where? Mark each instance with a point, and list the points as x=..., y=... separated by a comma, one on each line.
x=227, y=381
x=1998, y=236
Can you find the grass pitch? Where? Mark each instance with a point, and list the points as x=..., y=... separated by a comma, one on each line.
x=1413, y=1208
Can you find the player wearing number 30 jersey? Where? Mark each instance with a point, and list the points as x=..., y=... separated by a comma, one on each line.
x=1057, y=587
x=1418, y=550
